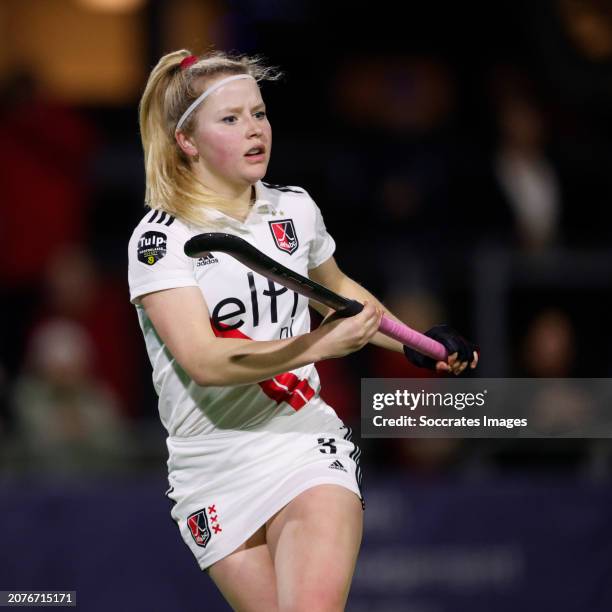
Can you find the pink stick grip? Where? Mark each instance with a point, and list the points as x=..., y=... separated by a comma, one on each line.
x=412, y=338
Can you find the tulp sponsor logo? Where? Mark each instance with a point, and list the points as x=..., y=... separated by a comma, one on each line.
x=284, y=235
x=151, y=247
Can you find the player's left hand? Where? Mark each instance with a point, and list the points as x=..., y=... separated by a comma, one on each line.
x=461, y=352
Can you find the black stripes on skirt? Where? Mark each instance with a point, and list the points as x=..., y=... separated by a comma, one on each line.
x=355, y=455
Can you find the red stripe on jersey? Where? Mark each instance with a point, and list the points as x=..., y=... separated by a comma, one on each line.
x=285, y=387
x=298, y=391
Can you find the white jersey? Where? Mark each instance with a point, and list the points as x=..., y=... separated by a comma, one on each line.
x=283, y=223
x=238, y=454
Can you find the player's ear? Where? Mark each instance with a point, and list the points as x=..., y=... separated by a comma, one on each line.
x=186, y=144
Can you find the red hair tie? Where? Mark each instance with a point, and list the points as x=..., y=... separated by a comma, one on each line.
x=188, y=61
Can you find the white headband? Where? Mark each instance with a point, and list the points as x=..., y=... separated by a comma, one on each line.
x=207, y=93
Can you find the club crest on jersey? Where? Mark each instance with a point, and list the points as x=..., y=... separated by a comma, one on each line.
x=151, y=247
x=284, y=235
x=198, y=526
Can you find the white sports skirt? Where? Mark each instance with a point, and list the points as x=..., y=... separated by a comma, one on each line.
x=226, y=485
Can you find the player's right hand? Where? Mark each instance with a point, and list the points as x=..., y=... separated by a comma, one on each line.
x=347, y=335
x=461, y=352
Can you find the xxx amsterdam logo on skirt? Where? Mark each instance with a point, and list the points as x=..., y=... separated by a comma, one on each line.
x=199, y=526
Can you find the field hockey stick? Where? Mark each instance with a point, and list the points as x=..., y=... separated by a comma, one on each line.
x=247, y=254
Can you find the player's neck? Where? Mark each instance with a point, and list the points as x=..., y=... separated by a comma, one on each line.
x=242, y=195
x=245, y=201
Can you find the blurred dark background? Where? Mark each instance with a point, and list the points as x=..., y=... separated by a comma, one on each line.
x=462, y=158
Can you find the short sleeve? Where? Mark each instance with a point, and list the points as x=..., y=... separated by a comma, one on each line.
x=323, y=245
x=157, y=260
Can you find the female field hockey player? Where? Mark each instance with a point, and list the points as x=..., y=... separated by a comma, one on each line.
x=264, y=476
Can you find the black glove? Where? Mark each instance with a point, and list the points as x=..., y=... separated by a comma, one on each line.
x=452, y=341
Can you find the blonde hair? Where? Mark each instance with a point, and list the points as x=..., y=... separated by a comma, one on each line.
x=171, y=185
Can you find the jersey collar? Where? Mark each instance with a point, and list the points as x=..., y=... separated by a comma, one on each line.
x=262, y=206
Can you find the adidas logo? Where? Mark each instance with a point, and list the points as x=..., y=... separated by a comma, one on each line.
x=336, y=465
x=205, y=261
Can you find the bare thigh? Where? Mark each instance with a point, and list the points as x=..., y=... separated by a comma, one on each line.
x=246, y=577
x=314, y=542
